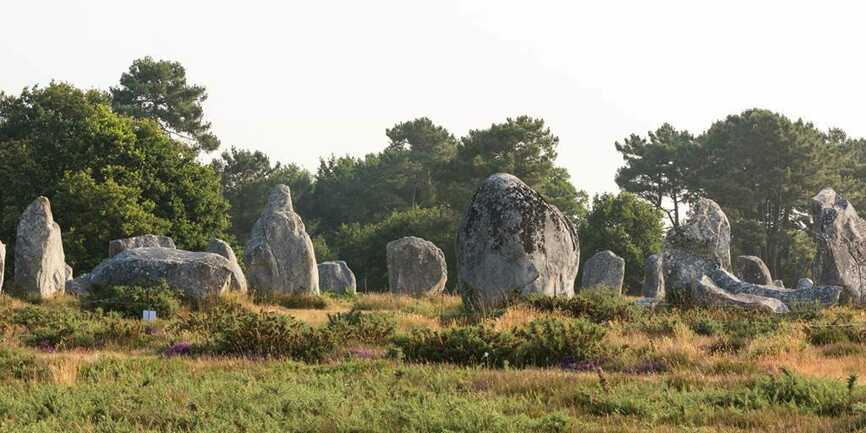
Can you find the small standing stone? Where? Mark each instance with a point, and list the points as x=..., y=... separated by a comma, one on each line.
x=604, y=270
x=117, y=246
x=752, y=269
x=654, y=278
x=336, y=277
x=415, y=267
x=221, y=247
x=805, y=283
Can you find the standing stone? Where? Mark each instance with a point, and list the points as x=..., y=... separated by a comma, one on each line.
x=221, y=247
x=701, y=245
x=2, y=263
x=752, y=269
x=279, y=254
x=40, y=265
x=415, y=267
x=604, y=270
x=805, y=283
x=841, y=247
x=513, y=242
x=654, y=278
x=118, y=245
x=336, y=277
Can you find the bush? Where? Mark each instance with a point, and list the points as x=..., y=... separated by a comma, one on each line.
x=293, y=301
x=130, y=301
x=542, y=342
x=68, y=328
x=596, y=306
x=707, y=327
x=363, y=327
x=822, y=334
x=17, y=364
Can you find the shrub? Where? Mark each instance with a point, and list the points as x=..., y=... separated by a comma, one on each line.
x=548, y=341
x=67, y=328
x=363, y=327
x=596, y=306
x=821, y=334
x=811, y=395
x=130, y=301
x=707, y=327
x=17, y=364
x=293, y=301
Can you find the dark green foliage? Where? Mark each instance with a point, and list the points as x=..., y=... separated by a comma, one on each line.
x=18, y=364
x=69, y=328
x=821, y=334
x=819, y=396
x=542, y=342
x=130, y=301
x=596, y=306
x=293, y=300
x=375, y=328
x=707, y=327
x=628, y=226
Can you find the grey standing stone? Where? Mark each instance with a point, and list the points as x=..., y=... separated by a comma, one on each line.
x=654, y=278
x=805, y=283
x=336, y=277
x=279, y=254
x=513, y=242
x=841, y=248
x=197, y=274
x=40, y=265
x=221, y=247
x=752, y=269
x=604, y=270
x=415, y=267
x=706, y=292
x=119, y=245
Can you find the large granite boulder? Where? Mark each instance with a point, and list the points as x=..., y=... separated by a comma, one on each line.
x=221, y=247
x=700, y=245
x=705, y=292
x=279, y=254
x=604, y=270
x=118, y=245
x=811, y=295
x=415, y=267
x=2, y=263
x=336, y=277
x=197, y=274
x=513, y=242
x=840, y=235
x=40, y=265
x=752, y=269
x=653, y=278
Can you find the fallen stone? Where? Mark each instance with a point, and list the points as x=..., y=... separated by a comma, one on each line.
x=812, y=295
x=706, y=293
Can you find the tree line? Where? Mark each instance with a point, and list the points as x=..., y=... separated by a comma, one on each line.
x=126, y=161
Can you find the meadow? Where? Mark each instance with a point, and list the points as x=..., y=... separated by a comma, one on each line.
x=383, y=363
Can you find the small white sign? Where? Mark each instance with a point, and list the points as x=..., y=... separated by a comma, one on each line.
x=148, y=315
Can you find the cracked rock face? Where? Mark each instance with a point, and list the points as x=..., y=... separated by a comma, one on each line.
x=279, y=254
x=40, y=265
x=752, y=269
x=336, y=277
x=513, y=242
x=604, y=270
x=654, y=279
x=119, y=245
x=841, y=248
x=415, y=267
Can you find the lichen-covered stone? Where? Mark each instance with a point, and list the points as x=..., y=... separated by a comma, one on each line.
x=118, y=245
x=336, y=277
x=513, y=242
x=197, y=274
x=654, y=278
x=705, y=292
x=823, y=295
x=221, y=247
x=805, y=283
x=279, y=254
x=841, y=247
x=604, y=270
x=40, y=265
x=752, y=269
x=415, y=267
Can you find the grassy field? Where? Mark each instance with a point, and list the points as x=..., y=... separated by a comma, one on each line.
x=381, y=363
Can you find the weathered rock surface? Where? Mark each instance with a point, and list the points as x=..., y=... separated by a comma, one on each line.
x=336, y=277
x=2, y=263
x=80, y=285
x=604, y=270
x=119, y=245
x=279, y=254
x=221, y=247
x=512, y=241
x=811, y=295
x=40, y=265
x=701, y=245
x=841, y=247
x=706, y=292
x=415, y=267
x=654, y=278
x=197, y=274
x=752, y=269
x=805, y=283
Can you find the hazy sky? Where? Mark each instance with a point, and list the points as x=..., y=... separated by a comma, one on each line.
x=299, y=80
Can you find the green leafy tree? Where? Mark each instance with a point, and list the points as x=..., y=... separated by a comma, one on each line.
x=657, y=169
x=158, y=90
x=627, y=225
x=108, y=175
x=427, y=149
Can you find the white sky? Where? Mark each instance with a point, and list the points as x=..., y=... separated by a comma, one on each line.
x=304, y=79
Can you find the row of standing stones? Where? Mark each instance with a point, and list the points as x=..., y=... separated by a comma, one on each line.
x=511, y=242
